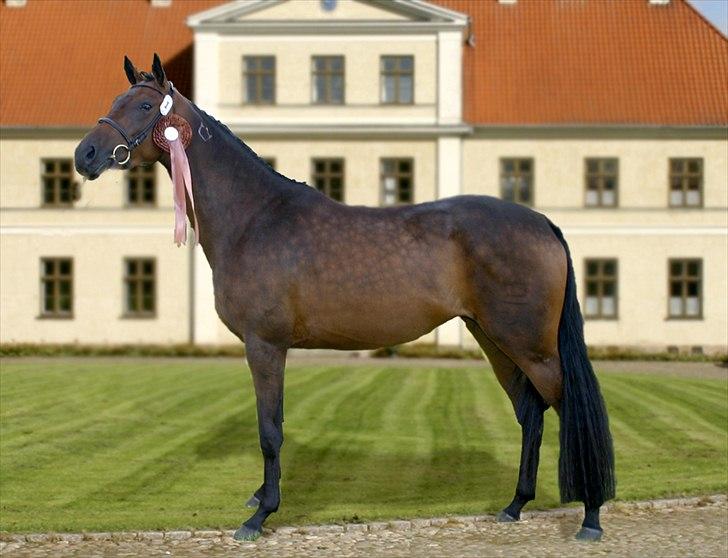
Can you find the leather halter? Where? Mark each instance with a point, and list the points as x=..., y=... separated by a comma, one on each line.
x=133, y=143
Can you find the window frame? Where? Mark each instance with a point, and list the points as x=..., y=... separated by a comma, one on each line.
x=396, y=73
x=601, y=175
x=56, y=175
x=328, y=174
x=328, y=74
x=140, y=173
x=685, y=176
x=397, y=175
x=258, y=73
x=56, y=278
x=684, y=278
x=600, y=279
x=532, y=174
x=137, y=281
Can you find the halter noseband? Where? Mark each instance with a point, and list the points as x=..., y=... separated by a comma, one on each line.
x=133, y=143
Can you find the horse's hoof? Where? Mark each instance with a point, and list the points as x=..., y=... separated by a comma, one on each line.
x=589, y=534
x=246, y=534
x=504, y=517
x=253, y=502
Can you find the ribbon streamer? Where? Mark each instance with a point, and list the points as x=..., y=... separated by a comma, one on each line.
x=181, y=180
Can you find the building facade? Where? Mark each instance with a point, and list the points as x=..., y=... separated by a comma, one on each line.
x=379, y=102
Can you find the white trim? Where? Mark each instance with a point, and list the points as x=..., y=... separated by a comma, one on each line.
x=348, y=130
x=221, y=18
x=637, y=230
x=137, y=230
x=79, y=230
x=352, y=38
x=315, y=27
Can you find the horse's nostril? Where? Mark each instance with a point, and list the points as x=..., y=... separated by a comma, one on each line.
x=91, y=153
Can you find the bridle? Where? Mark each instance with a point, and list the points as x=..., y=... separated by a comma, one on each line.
x=134, y=142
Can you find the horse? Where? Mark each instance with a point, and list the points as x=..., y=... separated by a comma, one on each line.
x=293, y=268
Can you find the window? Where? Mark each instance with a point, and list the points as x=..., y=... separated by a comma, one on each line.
x=327, y=80
x=601, y=288
x=270, y=161
x=397, y=79
x=686, y=182
x=141, y=190
x=140, y=287
x=328, y=177
x=57, y=180
x=685, y=285
x=260, y=79
x=517, y=180
x=56, y=287
x=601, y=182
x=397, y=178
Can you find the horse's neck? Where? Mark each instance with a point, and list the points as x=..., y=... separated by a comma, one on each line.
x=229, y=183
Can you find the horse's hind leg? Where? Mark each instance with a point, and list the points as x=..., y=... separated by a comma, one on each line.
x=529, y=407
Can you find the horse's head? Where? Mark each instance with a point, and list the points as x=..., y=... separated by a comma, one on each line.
x=123, y=138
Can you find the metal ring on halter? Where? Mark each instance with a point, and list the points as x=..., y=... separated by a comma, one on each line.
x=128, y=154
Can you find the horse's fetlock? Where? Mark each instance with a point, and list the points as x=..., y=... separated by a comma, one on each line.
x=270, y=502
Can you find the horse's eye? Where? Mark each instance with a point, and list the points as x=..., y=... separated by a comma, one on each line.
x=145, y=106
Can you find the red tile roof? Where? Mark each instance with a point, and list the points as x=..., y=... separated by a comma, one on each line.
x=593, y=62
x=538, y=62
x=62, y=62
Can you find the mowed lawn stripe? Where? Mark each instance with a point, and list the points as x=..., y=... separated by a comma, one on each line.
x=690, y=395
x=329, y=461
x=120, y=396
x=670, y=409
x=174, y=444
x=621, y=425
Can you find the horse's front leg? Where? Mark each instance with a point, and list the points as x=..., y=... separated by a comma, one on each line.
x=267, y=362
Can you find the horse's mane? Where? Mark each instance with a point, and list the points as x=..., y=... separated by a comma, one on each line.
x=244, y=147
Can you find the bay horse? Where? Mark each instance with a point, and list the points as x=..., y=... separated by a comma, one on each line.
x=293, y=268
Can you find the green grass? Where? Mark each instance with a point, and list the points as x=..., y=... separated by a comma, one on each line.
x=158, y=444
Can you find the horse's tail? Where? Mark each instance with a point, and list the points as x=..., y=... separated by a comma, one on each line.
x=586, y=462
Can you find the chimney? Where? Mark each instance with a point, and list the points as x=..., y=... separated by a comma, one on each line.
x=15, y=3
x=160, y=3
x=659, y=2
x=506, y=2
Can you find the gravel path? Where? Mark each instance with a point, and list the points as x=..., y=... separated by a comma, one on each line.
x=688, y=527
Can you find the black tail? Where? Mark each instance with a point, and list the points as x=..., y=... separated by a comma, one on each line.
x=586, y=462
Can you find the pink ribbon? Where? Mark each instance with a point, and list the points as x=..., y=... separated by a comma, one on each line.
x=181, y=179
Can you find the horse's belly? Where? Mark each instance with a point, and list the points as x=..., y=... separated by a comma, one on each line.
x=379, y=323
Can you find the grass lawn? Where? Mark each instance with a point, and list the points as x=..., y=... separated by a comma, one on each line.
x=89, y=445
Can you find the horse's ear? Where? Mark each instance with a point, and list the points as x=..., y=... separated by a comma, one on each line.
x=132, y=74
x=158, y=71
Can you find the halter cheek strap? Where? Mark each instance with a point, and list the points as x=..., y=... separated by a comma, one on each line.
x=132, y=143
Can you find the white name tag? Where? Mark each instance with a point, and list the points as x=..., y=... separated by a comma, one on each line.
x=166, y=105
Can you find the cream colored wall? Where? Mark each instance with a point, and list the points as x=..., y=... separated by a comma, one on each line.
x=97, y=232
x=98, y=287
x=643, y=288
x=361, y=156
x=293, y=79
x=306, y=10
x=559, y=168
x=21, y=186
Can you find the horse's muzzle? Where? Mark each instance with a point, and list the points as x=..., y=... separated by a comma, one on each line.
x=89, y=160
